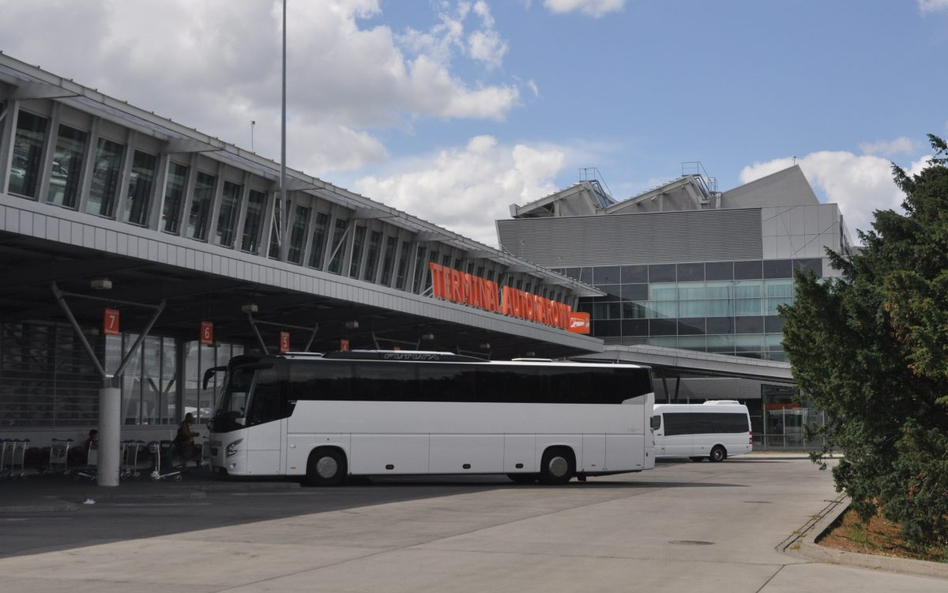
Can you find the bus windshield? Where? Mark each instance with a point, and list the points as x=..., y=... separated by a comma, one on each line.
x=231, y=411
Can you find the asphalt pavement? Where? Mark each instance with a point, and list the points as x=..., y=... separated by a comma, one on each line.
x=696, y=527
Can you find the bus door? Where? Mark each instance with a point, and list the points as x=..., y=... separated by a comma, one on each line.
x=266, y=422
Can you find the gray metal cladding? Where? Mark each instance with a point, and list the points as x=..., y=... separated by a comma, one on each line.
x=696, y=235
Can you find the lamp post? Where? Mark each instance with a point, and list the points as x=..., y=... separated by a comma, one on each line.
x=285, y=222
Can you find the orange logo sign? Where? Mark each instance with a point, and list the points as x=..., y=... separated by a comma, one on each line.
x=579, y=323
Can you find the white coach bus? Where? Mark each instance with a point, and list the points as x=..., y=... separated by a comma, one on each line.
x=326, y=417
x=714, y=430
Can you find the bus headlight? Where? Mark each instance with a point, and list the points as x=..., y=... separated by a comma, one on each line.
x=232, y=448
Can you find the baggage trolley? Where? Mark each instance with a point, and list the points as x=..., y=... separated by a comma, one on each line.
x=130, y=449
x=18, y=458
x=161, y=449
x=59, y=456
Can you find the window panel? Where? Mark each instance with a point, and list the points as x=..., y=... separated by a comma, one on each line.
x=402, y=273
x=388, y=260
x=372, y=256
x=338, y=249
x=692, y=343
x=106, y=173
x=420, y=272
x=663, y=342
x=720, y=344
x=634, y=274
x=748, y=270
x=719, y=325
x=690, y=272
x=634, y=292
x=779, y=288
x=253, y=221
x=662, y=273
x=719, y=270
x=693, y=308
x=809, y=265
x=586, y=275
x=635, y=327
x=662, y=292
x=201, y=206
x=318, y=247
x=773, y=324
x=658, y=310
x=606, y=328
x=771, y=306
x=634, y=310
x=749, y=325
x=27, y=154
x=612, y=291
x=174, y=197
x=748, y=289
x=692, y=326
x=743, y=307
x=66, y=173
x=720, y=308
x=298, y=235
x=141, y=183
x=358, y=244
x=606, y=275
x=663, y=327
x=692, y=291
x=227, y=216
x=778, y=268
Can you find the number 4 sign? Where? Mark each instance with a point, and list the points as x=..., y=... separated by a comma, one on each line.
x=207, y=333
x=110, y=322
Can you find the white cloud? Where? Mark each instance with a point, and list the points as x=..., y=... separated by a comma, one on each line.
x=932, y=5
x=466, y=189
x=902, y=144
x=860, y=184
x=532, y=85
x=594, y=8
x=215, y=65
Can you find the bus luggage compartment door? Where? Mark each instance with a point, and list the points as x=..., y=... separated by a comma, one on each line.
x=380, y=454
x=264, y=448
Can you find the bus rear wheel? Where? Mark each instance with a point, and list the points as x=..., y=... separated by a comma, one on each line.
x=326, y=467
x=523, y=478
x=717, y=454
x=557, y=467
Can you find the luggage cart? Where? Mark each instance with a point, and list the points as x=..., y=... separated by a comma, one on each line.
x=130, y=449
x=18, y=458
x=59, y=456
x=160, y=449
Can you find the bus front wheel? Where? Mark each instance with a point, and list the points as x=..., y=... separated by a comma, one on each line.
x=717, y=454
x=557, y=467
x=326, y=467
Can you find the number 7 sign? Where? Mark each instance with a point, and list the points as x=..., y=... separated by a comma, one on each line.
x=110, y=322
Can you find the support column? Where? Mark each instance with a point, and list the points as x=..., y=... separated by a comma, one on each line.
x=110, y=426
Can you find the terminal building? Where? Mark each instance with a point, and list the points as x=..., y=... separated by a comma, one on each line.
x=119, y=227
x=136, y=253
x=685, y=267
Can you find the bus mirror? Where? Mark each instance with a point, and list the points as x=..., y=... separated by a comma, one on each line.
x=210, y=373
x=656, y=422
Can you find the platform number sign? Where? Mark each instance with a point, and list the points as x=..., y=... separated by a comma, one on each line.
x=343, y=345
x=207, y=333
x=110, y=322
x=284, y=341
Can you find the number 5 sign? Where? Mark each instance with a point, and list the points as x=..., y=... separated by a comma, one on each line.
x=110, y=322
x=207, y=333
x=284, y=341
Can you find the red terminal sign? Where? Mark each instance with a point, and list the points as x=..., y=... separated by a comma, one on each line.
x=579, y=323
x=466, y=289
x=110, y=322
x=344, y=345
x=284, y=341
x=207, y=333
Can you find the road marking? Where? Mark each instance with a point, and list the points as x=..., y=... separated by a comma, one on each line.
x=155, y=504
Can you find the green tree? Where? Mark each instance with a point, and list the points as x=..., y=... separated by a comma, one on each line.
x=871, y=349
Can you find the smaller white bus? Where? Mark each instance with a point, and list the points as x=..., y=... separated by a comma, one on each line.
x=714, y=430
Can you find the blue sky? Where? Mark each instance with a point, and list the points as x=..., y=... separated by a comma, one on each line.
x=451, y=110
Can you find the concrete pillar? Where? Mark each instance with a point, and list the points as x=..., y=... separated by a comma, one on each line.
x=110, y=408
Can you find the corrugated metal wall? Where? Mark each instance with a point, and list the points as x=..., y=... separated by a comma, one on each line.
x=697, y=235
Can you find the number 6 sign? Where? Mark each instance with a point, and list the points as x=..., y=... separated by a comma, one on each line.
x=207, y=333
x=110, y=322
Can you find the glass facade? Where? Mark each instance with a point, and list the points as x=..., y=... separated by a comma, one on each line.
x=298, y=235
x=388, y=261
x=320, y=233
x=66, y=173
x=174, y=197
x=719, y=307
x=253, y=221
x=201, y=206
x=141, y=181
x=27, y=154
x=358, y=244
x=197, y=359
x=227, y=215
x=106, y=175
x=372, y=257
x=338, y=248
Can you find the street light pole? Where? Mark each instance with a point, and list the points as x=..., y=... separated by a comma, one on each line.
x=284, y=209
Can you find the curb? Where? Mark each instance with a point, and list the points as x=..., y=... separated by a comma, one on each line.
x=54, y=507
x=810, y=549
